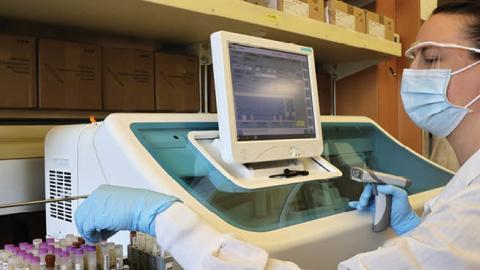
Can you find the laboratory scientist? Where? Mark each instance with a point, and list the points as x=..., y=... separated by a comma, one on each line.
x=440, y=93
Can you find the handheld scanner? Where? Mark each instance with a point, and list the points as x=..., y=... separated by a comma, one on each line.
x=371, y=176
x=383, y=203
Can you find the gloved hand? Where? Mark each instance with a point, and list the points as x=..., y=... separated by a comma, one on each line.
x=403, y=219
x=110, y=209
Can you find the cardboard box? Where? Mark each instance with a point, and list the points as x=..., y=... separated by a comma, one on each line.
x=339, y=14
x=389, y=27
x=176, y=83
x=373, y=25
x=17, y=72
x=128, y=80
x=316, y=10
x=69, y=75
x=360, y=17
x=313, y=9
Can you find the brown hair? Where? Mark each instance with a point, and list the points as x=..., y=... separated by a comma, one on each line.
x=471, y=9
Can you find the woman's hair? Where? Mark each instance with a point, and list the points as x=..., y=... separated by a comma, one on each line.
x=471, y=9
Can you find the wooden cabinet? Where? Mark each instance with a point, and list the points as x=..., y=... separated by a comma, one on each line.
x=375, y=91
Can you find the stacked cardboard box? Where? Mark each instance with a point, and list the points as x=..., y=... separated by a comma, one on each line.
x=69, y=75
x=355, y=18
x=176, y=83
x=313, y=9
x=17, y=72
x=128, y=80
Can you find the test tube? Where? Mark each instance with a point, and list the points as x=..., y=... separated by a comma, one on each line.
x=141, y=241
x=69, y=238
x=36, y=242
x=35, y=263
x=4, y=265
x=50, y=262
x=91, y=258
x=41, y=254
x=19, y=266
x=12, y=260
x=118, y=256
x=111, y=254
x=78, y=259
x=105, y=258
x=148, y=244
x=64, y=261
x=131, y=252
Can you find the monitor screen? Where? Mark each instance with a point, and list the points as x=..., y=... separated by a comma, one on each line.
x=272, y=94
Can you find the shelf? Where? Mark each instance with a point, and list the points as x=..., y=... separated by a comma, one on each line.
x=192, y=21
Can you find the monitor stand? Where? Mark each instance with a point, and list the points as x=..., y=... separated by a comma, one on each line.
x=262, y=174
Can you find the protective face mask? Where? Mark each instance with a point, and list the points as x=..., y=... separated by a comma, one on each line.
x=424, y=97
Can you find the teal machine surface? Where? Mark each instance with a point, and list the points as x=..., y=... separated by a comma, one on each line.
x=346, y=145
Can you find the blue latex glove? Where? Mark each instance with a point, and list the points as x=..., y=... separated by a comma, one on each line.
x=403, y=219
x=110, y=209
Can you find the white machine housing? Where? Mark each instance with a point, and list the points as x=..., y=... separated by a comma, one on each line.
x=79, y=158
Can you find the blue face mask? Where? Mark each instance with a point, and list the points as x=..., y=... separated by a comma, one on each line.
x=424, y=96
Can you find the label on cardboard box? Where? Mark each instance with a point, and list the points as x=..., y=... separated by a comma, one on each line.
x=128, y=80
x=69, y=75
x=296, y=7
x=17, y=72
x=376, y=29
x=344, y=20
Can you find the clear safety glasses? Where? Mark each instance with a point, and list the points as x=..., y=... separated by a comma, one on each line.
x=434, y=55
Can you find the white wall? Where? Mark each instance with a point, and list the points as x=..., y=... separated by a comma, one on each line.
x=21, y=180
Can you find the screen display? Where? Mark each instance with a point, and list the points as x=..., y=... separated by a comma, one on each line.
x=272, y=94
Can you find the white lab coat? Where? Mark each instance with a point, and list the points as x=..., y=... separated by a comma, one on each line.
x=448, y=236
x=198, y=246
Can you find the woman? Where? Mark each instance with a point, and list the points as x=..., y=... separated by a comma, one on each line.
x=439, y=93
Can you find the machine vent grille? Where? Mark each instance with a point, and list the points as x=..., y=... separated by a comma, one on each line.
x=60, y=185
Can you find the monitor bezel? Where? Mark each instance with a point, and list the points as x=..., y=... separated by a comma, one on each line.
x=235, y=151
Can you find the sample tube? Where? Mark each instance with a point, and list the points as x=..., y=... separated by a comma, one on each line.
x=69, y=238
x=36, y=242
x=111, y=254
x=64, y=261
x=41, y=254
x=118, y=256
x=141, y=241
x=78, y=260
x=91, y=258
x=63, y=244
x=12, y=260
x=50, y=262
x=5, y=256
x=35, y=263
x=105, y=258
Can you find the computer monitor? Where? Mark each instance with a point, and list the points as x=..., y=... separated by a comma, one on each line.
x=267, y=100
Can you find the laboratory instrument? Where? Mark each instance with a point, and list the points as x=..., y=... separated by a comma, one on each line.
x=383, y=202
x=305, y=218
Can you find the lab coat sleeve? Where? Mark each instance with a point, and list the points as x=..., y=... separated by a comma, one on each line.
x=448, y=238
x=197, y=246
